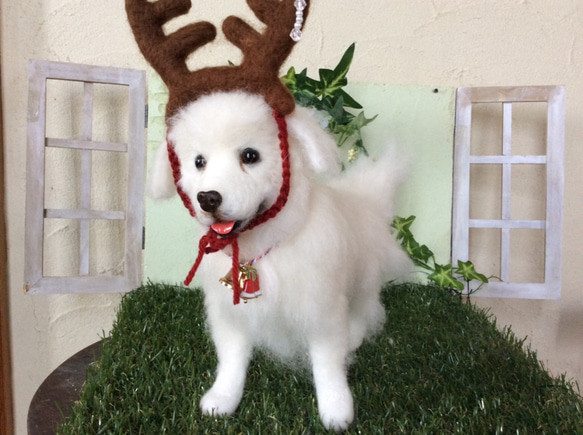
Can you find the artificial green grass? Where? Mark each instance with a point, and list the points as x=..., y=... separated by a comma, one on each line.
x=439, y=366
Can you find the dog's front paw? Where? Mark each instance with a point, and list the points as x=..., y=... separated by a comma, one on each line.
x=219, y=403
x=336, y=411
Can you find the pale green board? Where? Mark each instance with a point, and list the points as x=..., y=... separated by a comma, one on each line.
x=171, y=233
x=418, y=120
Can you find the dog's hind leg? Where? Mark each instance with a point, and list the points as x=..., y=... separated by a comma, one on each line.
x=335, y=403
x=234, y=352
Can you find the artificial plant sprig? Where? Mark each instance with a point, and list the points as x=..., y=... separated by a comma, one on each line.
x=443, y=275
x=327, y=95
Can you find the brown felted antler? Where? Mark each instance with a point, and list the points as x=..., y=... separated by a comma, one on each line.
x=263, y=53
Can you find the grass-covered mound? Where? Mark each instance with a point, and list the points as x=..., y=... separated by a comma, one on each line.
x=439, y=366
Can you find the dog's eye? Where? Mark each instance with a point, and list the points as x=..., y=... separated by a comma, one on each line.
x=249, y=156
x=199, y=162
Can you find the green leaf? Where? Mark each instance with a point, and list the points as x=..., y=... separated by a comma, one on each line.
x=342, y=124
x=410, y=244
x=306, y=83
x=468, y=272
x=290, y=78
x=348, y=100
x=307, y=99
x=343, y=131
x=330, y=85
x=360, y=145
x=344, y=65
x=442, y=276
x=420, y=254
x=332, y=81
x=402, y=226
x=337, y=111
x=423, y=253
x=361, y=121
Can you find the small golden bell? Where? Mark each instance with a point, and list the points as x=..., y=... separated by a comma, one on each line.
x=227, y=280
x=248, y=282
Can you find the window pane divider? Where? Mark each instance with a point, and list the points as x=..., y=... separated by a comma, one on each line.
x=86, y=144
x=507, y=224
x=504, y=160
x=84, y=214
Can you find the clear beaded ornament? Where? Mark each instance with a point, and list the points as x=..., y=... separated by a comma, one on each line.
x=296, y=33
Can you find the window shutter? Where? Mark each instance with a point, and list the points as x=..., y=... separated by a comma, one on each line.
x=84, y=195
x=506, y=221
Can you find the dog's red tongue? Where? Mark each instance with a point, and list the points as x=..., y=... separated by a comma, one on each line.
x=223, y=228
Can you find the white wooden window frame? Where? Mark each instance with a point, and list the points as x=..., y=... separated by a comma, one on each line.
x=554, y=96
x=37, y=142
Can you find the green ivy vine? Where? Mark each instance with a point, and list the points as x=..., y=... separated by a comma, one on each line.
x=327, y=95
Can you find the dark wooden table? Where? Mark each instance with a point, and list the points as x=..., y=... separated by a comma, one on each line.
x=54, y=398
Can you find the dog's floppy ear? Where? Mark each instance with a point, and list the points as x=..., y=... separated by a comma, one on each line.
x=161, y=179
x=319, y=147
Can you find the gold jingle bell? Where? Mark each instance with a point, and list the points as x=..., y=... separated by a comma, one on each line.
x=248, y=282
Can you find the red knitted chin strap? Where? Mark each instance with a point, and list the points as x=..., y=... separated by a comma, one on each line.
x=211, y=241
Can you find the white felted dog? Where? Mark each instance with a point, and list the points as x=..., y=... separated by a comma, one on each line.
x=320, y=261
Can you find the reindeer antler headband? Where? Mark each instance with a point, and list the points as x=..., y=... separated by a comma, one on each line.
x=258, y=73
x=263, y=53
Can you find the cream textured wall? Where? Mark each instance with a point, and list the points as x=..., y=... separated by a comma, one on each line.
x=421, y=42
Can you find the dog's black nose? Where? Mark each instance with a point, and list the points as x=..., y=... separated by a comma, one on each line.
x=209, y=201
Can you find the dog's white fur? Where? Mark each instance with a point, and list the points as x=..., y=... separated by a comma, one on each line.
x=331, y=246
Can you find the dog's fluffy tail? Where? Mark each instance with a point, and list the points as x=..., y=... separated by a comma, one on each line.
x=377, y=178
